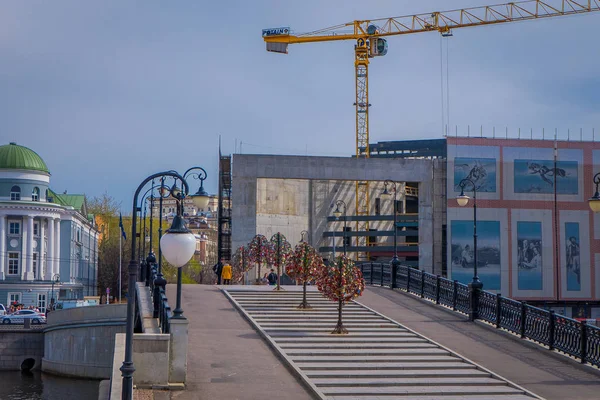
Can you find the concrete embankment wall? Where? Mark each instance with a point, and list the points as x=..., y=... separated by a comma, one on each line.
x=18, y=346
x=80, y=341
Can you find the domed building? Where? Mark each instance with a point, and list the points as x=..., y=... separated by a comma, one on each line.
x=48, y=242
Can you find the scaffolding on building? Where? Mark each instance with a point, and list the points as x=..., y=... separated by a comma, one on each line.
x=224, y=213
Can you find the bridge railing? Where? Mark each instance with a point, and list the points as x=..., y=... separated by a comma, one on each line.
x=161, y=310
x=556, y=332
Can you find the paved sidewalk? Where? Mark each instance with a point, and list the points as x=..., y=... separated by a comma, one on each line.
x=545, y=373
x=227, y=359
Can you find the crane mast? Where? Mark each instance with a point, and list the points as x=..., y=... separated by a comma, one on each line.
x=361, y=65
x=370, y=37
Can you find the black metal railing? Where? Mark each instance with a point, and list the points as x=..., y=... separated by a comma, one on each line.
x=161, y=308
x=556, y=332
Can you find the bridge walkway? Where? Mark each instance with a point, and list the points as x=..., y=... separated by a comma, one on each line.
x=545, y=373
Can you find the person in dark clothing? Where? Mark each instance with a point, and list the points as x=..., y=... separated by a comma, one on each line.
x=218, y=269
x=272, y=278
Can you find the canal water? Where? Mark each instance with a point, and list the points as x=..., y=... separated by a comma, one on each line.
x=16, y=385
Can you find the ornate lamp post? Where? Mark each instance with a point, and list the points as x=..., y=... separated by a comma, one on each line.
x=594, y=201
x=338, y=213
x=200, y=200
x=127, y=369
x=386, y=194
x=475, y=284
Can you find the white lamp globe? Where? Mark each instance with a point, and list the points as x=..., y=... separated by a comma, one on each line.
x=594, y=203
x=337, y=213
x=201, y=198
x=462, y=200
x=178, y=244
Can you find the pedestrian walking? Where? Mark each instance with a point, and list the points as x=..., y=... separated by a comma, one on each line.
x=226, y=274
x=272, y=278
x=218, y=269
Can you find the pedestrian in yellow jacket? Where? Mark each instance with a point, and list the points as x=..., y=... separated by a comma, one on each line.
x=226, y=274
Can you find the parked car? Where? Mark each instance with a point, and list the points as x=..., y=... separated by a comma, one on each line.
x=20, y=316
x=3, y=310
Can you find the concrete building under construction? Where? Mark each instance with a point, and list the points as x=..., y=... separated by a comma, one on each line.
x=537, y=238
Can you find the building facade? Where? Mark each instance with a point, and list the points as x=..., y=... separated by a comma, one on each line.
x=538, y=240
x=48, y=242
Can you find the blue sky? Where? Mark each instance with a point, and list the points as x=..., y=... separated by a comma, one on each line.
x=110, y=92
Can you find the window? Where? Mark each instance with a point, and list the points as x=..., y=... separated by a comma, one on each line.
x=35, y=264
x=377, y=206
x=79, y=235
x=36, y=229
x=15, y=193
x=41, y=303
x=14, y=228
x=35, y=195
x=14, y=297
x=13, y=263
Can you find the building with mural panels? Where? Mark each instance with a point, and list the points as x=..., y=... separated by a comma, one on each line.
x=538, y=240
x=44, y=236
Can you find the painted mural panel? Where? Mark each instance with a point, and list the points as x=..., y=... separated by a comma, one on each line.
x=482, y=171
x=538, y=176
x=573, y=256
x=488, y=252
x=529, y=242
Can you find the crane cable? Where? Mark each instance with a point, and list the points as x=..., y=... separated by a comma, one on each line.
x=445, y=104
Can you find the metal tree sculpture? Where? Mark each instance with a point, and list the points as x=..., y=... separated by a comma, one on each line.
x=305, y=265
x=282, y=251
x=341, y=282
x=241, y=263
x=260, y=251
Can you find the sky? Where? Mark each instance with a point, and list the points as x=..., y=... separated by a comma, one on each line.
x=110, y=92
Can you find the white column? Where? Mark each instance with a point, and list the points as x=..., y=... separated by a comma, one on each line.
x=56, y=269
x=3, y=255
x=50, y=259
x=24, y=237
x=41, y=249
x=29, y=259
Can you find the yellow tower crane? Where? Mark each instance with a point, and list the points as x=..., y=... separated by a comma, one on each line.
x=370, y=42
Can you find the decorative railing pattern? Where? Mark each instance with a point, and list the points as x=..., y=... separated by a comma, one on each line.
x=162, y=310
x=487, y=307
x=574, y=338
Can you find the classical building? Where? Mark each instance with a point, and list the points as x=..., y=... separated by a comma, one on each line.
x=48, y=241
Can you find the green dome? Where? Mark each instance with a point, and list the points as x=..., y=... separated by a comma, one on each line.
x=13, y=156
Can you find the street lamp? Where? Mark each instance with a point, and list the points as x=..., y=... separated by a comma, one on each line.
x=337, y=213
x=303, y=234
x=594, y=201
x=160, y=282
x=462, y=201
x=127, y=369
x=201, y=197
x=55, y=279
x=387, y=194
x=181, y=236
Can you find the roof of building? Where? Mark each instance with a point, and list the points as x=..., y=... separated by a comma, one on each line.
x=76, y=201
x=13, y=156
